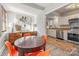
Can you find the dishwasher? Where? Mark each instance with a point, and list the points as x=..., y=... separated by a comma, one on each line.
x=59, y=34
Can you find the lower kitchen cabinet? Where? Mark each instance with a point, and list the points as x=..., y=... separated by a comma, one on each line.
x=51, y=33
x=65, y=34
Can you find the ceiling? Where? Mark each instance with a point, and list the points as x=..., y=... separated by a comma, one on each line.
x=33, y=8
x=63, y=11
x=42, y=6
x=46, y=5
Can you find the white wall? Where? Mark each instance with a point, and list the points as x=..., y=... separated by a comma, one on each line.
x=41, y=23
x=39, y=20
x=12, y=19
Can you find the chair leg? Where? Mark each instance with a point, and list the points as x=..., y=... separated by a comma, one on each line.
x=44, y=48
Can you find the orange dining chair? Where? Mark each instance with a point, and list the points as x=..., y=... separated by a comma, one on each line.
x=44, y=37
x=44, y=53
x=27, y=34
x=11, y=49
x=39, y=53
x=32, y=54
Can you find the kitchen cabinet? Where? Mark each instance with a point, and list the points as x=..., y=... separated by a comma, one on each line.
x=50, y=22
x=52, y=33
x=59, y=34
x=65, y=34
x=62, y=34
x=63, y=21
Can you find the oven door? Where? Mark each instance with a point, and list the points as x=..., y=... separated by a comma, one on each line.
x=73, y=37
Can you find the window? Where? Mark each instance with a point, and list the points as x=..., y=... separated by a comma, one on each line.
x=4, y=20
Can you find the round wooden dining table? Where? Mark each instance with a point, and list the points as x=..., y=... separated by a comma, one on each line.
x=29, y=44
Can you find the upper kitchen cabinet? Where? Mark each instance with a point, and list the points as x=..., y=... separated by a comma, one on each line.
x=52, y=22
x=63, y=21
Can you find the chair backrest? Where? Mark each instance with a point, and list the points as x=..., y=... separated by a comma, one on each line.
x=32, y=54
x=44, y=53
x=39, y=53
x=8, y=44
x=14, y=36
x=29, y=34
x=11, y=48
